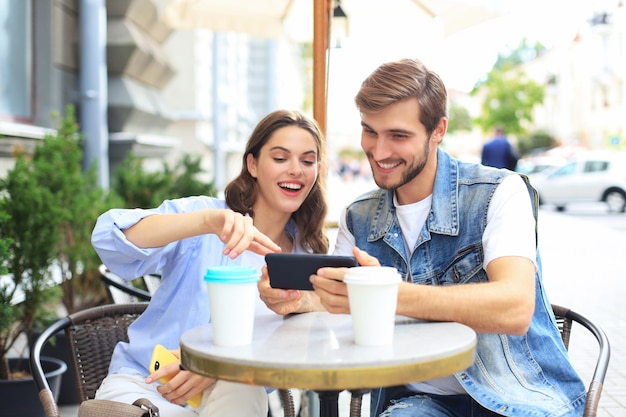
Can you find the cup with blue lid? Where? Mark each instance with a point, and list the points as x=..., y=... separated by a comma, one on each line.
x=232, y=297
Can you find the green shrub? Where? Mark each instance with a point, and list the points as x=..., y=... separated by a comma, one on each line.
x=140, y=188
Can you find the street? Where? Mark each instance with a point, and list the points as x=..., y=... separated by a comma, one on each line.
x=596, y=213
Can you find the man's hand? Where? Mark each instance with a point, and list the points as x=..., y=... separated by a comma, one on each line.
x=329, y=286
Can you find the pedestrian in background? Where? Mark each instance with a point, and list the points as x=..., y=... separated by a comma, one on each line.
x=498, y=152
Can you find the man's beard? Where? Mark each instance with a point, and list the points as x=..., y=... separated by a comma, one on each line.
x=411, y=172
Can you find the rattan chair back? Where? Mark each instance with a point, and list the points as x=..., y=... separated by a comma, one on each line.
x=91, y=335
x=564, y=319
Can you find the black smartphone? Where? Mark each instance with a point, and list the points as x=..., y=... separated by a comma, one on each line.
x=291, y=271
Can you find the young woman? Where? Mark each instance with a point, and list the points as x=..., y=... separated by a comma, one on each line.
x=277, y=203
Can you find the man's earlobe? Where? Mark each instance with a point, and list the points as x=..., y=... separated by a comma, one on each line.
x=440, y=130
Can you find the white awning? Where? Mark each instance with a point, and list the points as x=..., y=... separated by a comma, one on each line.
x=294, y=18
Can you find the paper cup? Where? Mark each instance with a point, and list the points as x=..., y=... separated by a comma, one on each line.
x=373, y=297
x=232, y=297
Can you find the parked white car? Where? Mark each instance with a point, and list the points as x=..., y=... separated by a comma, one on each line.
x=589, y=178
x=542, y=164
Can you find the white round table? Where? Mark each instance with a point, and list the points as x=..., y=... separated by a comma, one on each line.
x=317, y=351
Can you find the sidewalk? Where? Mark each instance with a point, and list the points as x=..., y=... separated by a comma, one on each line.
x=581, y=270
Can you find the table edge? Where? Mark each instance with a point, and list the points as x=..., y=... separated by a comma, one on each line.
x=329, y=378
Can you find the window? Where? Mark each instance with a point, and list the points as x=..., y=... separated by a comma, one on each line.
x=567, y=169
x=15, y=58
x=596, y=166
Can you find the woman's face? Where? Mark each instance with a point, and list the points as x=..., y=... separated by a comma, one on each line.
x=286, y=169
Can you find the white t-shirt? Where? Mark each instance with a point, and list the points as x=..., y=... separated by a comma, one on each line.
x=510, y=231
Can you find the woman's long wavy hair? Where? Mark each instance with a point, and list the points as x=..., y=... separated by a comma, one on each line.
x=242, y=192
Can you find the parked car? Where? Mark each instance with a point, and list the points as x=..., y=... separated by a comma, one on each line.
x=539, y=164
x=588, y=178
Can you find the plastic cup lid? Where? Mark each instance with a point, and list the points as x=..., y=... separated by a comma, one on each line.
x=232, y=274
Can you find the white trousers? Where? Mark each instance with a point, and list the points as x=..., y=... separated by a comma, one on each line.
x=224, y=399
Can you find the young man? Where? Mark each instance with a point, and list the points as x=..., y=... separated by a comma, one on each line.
x=463, y=236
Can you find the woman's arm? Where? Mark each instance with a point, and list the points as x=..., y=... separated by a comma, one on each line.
x=234, y=229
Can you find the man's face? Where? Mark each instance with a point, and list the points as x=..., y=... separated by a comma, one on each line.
x=396, y=144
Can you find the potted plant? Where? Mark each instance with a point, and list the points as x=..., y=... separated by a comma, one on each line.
x=50, y=206
x=28, y=231
x=28, y=291
x=57, y=165
x=140, y=188
x=56, y=169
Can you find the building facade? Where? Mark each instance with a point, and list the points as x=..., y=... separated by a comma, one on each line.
x=585, y=81
x=168, y=92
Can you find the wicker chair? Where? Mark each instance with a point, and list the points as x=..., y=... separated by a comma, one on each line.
x=564, y=319
x=121, y=292
x=91, y=335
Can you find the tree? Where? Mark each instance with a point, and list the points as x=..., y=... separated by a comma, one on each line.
x=139, y=188
x=459, y=118
x=521, y=54
x=135, y=186
x=538, y=140
x=185, y=182
x=29, y=235
x=57, y=167
x=509, y=100
x=509, y=95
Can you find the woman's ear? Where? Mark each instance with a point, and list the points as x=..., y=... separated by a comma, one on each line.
x=251, y=164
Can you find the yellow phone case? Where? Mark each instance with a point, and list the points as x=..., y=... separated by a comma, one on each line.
x=161, y=357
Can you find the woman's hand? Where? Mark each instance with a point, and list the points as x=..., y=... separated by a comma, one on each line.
x=182, y=385
x=238, y=233
x=286, y=301
x=234, y=229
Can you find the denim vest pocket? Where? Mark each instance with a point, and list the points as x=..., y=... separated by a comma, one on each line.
x=465, y=267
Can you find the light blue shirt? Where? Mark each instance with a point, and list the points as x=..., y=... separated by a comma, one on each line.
x=181, y=302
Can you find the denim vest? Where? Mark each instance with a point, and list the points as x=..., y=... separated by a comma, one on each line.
x=526, y=375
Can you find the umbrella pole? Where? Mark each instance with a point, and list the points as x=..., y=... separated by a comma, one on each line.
x=321, y=35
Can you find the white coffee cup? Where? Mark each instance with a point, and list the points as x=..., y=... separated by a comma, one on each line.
x=232, y=297
x=373, y=297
